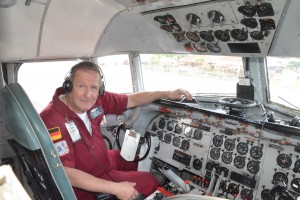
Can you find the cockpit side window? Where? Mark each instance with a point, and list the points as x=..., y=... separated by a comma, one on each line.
x=40, y=79
x=284, y=81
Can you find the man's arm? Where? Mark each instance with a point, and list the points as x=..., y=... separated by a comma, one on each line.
x=85, y=181
x=140, y=98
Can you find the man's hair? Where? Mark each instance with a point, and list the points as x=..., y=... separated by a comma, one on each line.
x=85, y=65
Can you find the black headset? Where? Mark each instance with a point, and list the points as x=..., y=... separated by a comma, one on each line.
x=68, y=85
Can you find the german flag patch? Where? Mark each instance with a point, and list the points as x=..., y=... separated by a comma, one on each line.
x=55, y=133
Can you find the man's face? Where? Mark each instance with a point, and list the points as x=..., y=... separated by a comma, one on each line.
x=85, y=90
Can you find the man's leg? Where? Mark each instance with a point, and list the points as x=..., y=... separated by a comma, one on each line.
x=117, y=162
x=123, y=170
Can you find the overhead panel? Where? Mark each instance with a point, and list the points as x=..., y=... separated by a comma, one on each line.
x=244, y=28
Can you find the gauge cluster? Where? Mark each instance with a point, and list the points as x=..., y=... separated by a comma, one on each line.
x=228, y=158
x=185, y=142
x=239, y=152
x=281, y=165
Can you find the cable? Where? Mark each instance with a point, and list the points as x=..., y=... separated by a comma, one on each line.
x=108, y=141
x=121, y=126
x=101, y=166
x=148, y=139
x=92, y=153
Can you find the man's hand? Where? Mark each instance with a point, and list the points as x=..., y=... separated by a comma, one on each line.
x=179, y=94
x=126, y=191
x=141, y=98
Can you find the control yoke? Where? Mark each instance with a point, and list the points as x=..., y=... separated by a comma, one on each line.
x=281, y=187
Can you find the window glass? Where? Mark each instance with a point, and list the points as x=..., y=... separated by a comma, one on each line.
x=116, y=69
x=40, y=80
x=196, y=73
x=284, y=78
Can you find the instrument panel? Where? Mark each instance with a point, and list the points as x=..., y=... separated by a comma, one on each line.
x=228, y=158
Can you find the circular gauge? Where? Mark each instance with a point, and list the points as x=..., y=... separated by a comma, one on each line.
x=218, y=140
x=239, y=34
x=213, y=47
x=249, y=22
x=188, y=46
x=247, y=10
x=200, y=47
x=167, y=138
x=280, y=177
x=197, y=164
x=154, y=127
x=229, y=144
x=215, y=16
x=176, y=141
x=242, y=148
x=247, y=194
x=295, y=184
x=223, y=185
x=227, y=157
x=284, y=161
x=222, y=35
x=265, y=195
x=239, y=162
x=176, y=27
x=257, y=35
x=253, y=167
x=178, y=128
x=297, y=166
x=160, y=19
x=233, y=188
x=207, y=36
x=188, y=131
x=219, y=170
x=185, y=145
x=170, y=125
x=166, y=28
x=215, y=153
x=193, y=36
x=209, y=166
x=160, y=135
x=256, y=152
x=198, y=134
x=193, y=19
x=169, y=18
x=162, y=123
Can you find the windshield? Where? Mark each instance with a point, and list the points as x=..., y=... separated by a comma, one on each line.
x=284, y=78
x=201, y=74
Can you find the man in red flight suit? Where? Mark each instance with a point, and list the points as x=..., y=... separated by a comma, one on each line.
x=73, y=119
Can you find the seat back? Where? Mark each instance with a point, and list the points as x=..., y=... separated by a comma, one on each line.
x=6, y=150
x=31, y=142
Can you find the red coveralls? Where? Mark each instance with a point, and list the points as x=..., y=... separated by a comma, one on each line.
x=90, y=154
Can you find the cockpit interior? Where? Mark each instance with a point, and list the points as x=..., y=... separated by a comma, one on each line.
x=242, y=143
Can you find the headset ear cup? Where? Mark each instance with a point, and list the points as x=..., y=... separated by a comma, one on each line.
x=67, y=85
x=102, y=87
